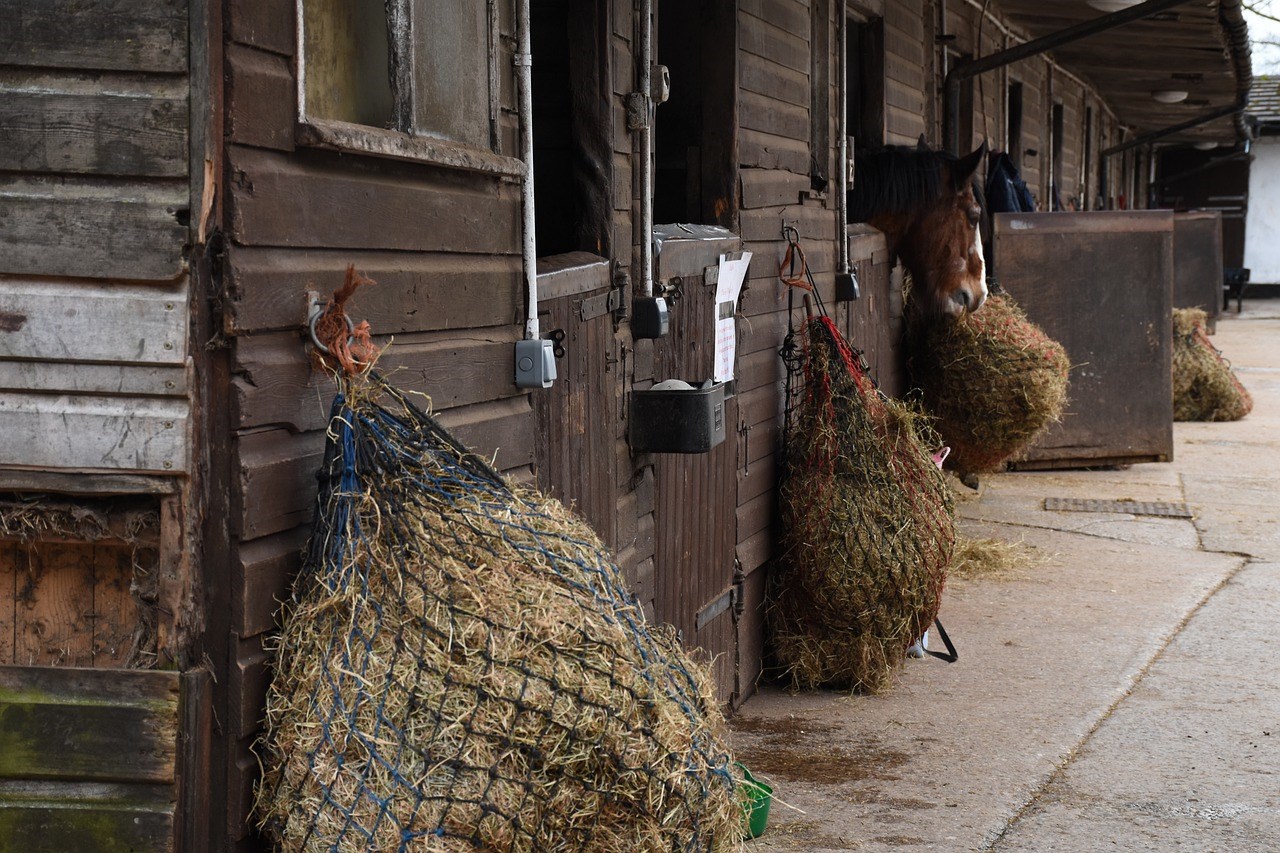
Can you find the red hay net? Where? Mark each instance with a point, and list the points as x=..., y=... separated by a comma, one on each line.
x=868, y=526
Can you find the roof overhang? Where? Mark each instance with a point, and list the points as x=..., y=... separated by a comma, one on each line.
x=1200, y=47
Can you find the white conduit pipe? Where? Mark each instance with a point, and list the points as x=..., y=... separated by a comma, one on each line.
x=842, y=132
x=646, y=149
x=524, y=82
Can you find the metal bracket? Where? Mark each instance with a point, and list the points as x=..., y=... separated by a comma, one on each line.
x=314, y=312
x=637, y=111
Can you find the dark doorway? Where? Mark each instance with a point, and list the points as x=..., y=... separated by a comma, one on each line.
x=695, y=147
x=572, y=155
x=864, y=83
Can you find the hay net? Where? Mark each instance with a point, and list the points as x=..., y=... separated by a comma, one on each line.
x=1205, y=388
x=994, y=381
x=462, y=667
x=868, y=523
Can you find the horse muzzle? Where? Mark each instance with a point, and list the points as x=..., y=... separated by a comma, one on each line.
x=962, y=301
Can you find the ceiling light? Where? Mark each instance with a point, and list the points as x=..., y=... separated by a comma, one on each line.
x=1112, y=5
x=1170, y=96
x=1206, y=146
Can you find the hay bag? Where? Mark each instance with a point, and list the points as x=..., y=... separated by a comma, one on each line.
x=868, y=526
x=461, y=667
x=993, y=379
x=1205, y=388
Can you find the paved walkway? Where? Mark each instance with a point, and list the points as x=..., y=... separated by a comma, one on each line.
x=1122, y=695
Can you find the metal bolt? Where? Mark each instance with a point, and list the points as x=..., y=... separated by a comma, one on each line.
x=168, y=344
x=168, y=424
x=169, y=383
x=168, y=306
x=168, y=465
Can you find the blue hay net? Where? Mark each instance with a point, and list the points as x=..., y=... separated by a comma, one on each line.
x=386, y=733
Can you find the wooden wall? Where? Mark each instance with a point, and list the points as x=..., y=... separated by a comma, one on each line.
x=443, y=246
x=94, y=207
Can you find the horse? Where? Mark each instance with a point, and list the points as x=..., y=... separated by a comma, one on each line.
x=928, y=204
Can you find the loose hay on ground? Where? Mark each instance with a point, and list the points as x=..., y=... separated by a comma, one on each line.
x=991, y=559
x=462, y=668
x=1204, y=386
x=868, y=528
x=993, y=380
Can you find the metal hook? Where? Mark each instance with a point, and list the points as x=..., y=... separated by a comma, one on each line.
x=313, y=316
x=791, y=234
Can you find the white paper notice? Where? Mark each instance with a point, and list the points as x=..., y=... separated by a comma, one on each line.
x=732, y=274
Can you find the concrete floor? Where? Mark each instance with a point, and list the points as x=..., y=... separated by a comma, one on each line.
x=1124, y=694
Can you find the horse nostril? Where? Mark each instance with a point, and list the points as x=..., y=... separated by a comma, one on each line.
x=962, y=298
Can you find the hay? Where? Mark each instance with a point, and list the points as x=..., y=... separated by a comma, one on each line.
x=462, y=668
x=868, y=528
x=994, y=380
x=993, y=559
x=1204, y=386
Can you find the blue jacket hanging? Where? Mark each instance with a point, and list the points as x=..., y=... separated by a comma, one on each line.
x=1006, y=191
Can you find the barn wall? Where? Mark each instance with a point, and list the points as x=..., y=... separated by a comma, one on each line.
x=94, y=206
x=443, y=246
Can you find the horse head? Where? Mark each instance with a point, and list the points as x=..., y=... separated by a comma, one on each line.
x=925, y=203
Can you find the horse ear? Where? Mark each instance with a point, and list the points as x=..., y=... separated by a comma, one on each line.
x=963, y=170
x=922, y=144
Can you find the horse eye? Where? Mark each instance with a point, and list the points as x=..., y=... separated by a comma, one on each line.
x=974, y=214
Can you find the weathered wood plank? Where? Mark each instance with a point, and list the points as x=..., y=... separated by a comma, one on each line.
x=770, y=115
x=82, y=378
x=59, y=824
x=276, y=483
x=86, y=482
x=790, y=15
x=89, y=725
x=55, y=608
x=276, y=383
x=278, y=202
x=769, y=151
x=270, y=26
x=57, y=321
x=108, y=35
x=771, y=42
x=265, y=569
x=92, y=229
x=767, y=77
x=413, y=292
x=115, y=613
x=93, y=124
x=771, y=188
x=261, y=98
x=95, y=433
x=8, y=597
x=247, y=688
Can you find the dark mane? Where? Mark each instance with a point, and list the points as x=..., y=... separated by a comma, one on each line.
x=896, y=179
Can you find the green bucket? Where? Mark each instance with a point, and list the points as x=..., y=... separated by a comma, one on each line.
x=755, y=797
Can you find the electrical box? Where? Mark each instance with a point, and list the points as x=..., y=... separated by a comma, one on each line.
x=649, y=317
x=675, y=417
x=535, y=363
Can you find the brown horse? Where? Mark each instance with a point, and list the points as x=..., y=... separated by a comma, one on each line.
x=926, y=204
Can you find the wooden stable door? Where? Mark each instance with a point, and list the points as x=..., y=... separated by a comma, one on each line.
x=696, y=503
x=1101, y=284
x=579, y=416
